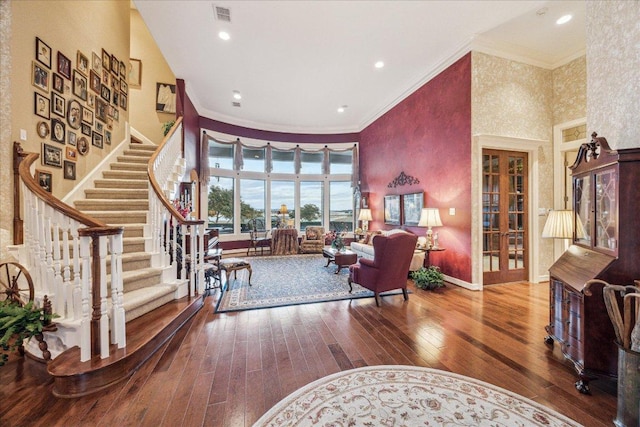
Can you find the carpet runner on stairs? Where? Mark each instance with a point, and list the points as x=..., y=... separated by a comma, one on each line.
x=121, y=198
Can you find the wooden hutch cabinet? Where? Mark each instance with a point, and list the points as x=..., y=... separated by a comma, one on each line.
x=606, y=246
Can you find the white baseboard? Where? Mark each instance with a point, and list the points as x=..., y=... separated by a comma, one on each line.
x=462, y=283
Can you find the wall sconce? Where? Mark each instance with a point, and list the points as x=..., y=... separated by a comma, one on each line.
x=430, y=217
x=365, y=217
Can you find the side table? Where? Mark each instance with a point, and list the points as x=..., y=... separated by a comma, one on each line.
x=427, y=251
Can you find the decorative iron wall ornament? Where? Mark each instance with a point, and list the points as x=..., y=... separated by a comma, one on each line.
x=403, y=179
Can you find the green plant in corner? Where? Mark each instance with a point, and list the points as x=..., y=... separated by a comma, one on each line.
x=18, y=323
x=428, y=278
x=166, y=127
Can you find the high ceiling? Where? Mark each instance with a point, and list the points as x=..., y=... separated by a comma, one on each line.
x=296, y=62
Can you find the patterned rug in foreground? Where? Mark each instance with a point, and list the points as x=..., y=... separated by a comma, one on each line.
x=408, y=396
x=289, y=280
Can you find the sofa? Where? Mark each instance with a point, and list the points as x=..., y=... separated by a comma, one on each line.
x=364, y=248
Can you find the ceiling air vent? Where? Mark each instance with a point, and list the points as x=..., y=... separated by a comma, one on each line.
x=236, y=104
x=222, y=13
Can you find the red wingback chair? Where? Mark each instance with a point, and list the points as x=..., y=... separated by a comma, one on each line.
x=390, y=265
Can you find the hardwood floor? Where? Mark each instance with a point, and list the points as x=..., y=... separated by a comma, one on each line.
x=228, y=369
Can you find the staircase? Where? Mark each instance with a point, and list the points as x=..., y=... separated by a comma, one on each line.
x=121, y=198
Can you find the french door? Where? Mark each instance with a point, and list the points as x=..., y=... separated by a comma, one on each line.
x=504, y=216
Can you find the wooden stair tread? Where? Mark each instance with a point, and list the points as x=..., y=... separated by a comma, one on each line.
x=145, y=335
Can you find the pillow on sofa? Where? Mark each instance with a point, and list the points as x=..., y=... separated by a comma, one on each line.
x=368, y=238
x=311, y=234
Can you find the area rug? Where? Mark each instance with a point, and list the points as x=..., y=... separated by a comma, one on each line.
x=289, y=280
x=399, y=396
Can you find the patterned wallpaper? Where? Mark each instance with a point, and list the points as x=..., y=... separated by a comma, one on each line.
x=6, y=147
x=570, y=91
x=511, y=98
x=613, y=71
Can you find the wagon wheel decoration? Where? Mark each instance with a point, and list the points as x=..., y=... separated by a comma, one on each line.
x=15, y=283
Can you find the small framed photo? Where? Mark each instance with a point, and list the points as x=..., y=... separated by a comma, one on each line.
x=91, y=100
x=71, y=138
x=43, y=129
x=116, y=115
x=64, y=65
x=43, y=53
x=57, y=104
x=124, y=87
x=94, y=81
x=83, y=145
x=58, y=83
x=115, y=65
x=107, y=137
x=115, y=84
x=79, y=85
x=123, y=69
x=51, y=156
x=123, y=101
x=40, y=77
x=74, y=114
x=87, y=116
x=135, y=73
x=44, y=179
x=85, y=129
x=106, y=78
x=57, y=131
x=116, y=99
x=69, y=170
x=41, y=106
x=165, y=98
x=96, y=62
x=97, y=139
x=101, y=110
x=71, y=153
x=105, y=92
x=99, y=127
x=106, y=60
x=82, y=63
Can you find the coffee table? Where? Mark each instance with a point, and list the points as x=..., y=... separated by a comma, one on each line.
x=341, y=259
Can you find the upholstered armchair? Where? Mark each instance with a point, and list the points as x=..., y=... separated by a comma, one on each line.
x=312, y=240
x=390, y=266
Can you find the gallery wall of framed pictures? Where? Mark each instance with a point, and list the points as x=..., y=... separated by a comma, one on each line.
x=78, y=98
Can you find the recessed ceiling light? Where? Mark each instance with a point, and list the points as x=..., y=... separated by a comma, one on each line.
x=224, y=35
x=564, y=19
x=379, y=64
x=342, y=109
x=236, y=95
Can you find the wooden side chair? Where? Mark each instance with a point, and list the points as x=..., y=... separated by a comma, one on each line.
x=258, y=239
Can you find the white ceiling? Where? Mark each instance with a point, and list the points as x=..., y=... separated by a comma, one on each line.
x=296, y=62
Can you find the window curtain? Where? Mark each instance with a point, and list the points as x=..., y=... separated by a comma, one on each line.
x=355, y=174
x=238, y=162
x=204, y=159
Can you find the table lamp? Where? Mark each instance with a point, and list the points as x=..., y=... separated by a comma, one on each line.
x=283, y=211
x=559, y=225
x=365, y=217
x=430, y=217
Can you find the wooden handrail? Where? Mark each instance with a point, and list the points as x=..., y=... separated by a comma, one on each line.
x=32, y=184
x=156, y=187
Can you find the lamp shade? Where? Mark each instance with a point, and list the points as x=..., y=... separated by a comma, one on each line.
x=365, y=215
x=283, y=209
x=430, y=217
x=559, y=225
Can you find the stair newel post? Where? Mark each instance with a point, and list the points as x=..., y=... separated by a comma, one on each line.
x=118, y=335
x=103, y=330
x=85, y=323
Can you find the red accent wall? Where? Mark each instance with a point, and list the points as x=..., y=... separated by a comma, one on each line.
x=427, y=136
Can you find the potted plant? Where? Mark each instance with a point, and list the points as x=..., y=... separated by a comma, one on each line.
x=19, y=323
x=166, y=127
x=428, y=278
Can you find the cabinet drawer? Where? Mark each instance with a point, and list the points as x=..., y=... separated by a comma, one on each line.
x=575, y=350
